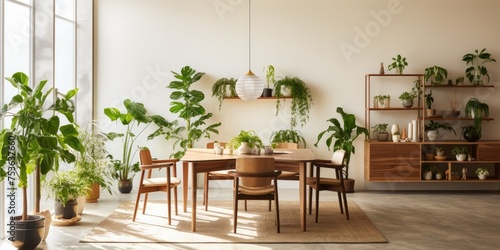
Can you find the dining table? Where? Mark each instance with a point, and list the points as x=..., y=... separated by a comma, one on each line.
x=199, y=160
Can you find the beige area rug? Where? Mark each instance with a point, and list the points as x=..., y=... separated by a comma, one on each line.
x=215, y=226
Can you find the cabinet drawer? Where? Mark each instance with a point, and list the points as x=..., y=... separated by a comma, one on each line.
x=488, y=152
x=391, y=172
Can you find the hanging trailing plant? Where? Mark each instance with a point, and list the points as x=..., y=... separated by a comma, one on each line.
x=301, y=99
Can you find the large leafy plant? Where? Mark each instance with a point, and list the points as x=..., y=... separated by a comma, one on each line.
x=186, y=103
x=345, y=134
x=36, y=141
x=477, y=70
x=135, y=116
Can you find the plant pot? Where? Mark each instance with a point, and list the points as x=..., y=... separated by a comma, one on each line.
x=267, y=92
x=431, y=112
x=482, y=176
x=407, y=103
x=65, y=212
x=396, y=138
x=432, y=135
x=428, y=175
x=429, y=157
x=383, y=103
x=125, y=186
x=81, y=203
x=244, y=148
x=461, y=157
x=349, y=185
x=440, y=153
x=439, y=176
x=383, y=136
x=29, y=233
x=286, y=91
x=47, y=222
x=94, y=194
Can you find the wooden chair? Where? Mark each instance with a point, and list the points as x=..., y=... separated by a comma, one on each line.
x=164, y=184
x=214, y=175
x=331, y=184
x=255, y=178
x=288, y=175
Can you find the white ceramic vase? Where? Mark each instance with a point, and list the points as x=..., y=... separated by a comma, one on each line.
x=244, y=148
x=394, y=128
x=482, y=176
x=461, y=157
x=428, y=175
x=432, y=135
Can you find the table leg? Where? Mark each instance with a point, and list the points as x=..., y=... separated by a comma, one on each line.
x=302, y=194
x=194, y=187
x=185, y=174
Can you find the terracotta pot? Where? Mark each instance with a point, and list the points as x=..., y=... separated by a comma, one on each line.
x=94, y=194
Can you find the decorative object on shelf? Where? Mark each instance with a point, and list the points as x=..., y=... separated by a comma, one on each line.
x=476, y=110
x=268, y=91
x=440, y=158
x=396, y=137
x=381, y=131
x=345, y=134
x=437, y=75
x=428, y=102
x=438, y=174
x=459, y=80
x=382, y=71
x=394, y=129
x=455, y=102
x=407, y=99
x=460, y=152
x=224, y=87
x=482, y=173
x=246, y=141
x=464, y=173
x=427, y=173
x=301, y=99
x=384, y=101
x=439, y=151
x=404, y=134
x=399, y=63
x=477, y=69
x=288, y=135
x=432, y=129
x=249, y=87
x=470, y=134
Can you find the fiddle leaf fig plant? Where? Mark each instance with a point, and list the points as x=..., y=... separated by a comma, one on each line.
x=477, y=70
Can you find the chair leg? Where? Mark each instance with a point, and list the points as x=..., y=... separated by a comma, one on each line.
x=245, y=205
x=277, y=206
x=136, y=204
x=269, y=205
x=169, y=207
x=340, y=203
x=345, y=203
x=205, y=192
x=145, y=202
x=310, y=200
x=175, y=200
x=235, y=209
x=317, y=203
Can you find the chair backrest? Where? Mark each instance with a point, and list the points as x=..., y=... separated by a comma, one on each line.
x=210, y=145
x=288, y=145
x=338, y=157
x=145, y=157
x=255, y=165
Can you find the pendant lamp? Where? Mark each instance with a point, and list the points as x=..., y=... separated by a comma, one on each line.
x=249, y=87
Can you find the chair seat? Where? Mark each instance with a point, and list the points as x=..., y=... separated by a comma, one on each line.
x=153, y=182
x=256, y=190
x=286, y=174
x=220, y=173
x=323, y=181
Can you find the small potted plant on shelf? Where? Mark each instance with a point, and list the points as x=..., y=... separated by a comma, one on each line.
x=428, y=102
x=437, y=172
x=460, y=152
x=437, y=75
x=482, y=173
x=439, y=151
x=476, y=110
x=268, y=91
x=246, y=141
x=381, y=131
x=224, y=87
x=432, y=129
x=301, y=99
x=407, y=99
x=399, y=63
x=459, y=80
x=396, y=137
x=384, y=101
x=288, y=135
x=477, y=69
x=427, y=173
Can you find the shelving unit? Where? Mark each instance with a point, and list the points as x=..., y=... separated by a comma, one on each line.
x=387, y=161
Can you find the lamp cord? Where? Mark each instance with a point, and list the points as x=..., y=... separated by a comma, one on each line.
x=249, y=34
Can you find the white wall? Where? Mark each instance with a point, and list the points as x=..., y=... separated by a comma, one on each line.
x=138, y=43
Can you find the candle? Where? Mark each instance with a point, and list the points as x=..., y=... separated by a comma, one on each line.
x=410, y=131
x=414, y=127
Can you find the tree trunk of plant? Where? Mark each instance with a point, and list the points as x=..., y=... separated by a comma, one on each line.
x=37, y=189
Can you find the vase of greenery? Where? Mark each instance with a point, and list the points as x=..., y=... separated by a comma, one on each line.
x=428, y=102
x=407, y=99
x=435, y=74
x=65, y=187
x=398, y=63
x=381, y=131
x=439, y=151
x=186, y=103
x=288, y=135
x=270, y=80
x=34, y=144
x=224, y=87
x=124, y=169
x=246, y=141
x=477, y=70
x=384, y=101
x=477, y=110
x=460, y=152
x=301, y=99
x=470, y=133
x=482, y=173
x=432, y=129
x=345, y=134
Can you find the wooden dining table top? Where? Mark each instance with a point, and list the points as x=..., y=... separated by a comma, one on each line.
x=201, y=154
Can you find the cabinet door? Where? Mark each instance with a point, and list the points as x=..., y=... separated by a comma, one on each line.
x=394, y=162
x=407, y=161
x=381, y=161
x=488, y=152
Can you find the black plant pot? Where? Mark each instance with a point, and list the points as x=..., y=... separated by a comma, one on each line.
x=471, y=136
x=66, y=212
x=267, y=92
x=29, y=233
x=124, y=186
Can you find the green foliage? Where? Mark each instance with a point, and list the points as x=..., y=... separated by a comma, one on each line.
x=399, y=62
x=301, y=99
x=344, y=134
x=407, y=96
x=269, y=76
x=380, y=128
x=457, y=150
x=477, y=69
x=67, y=185
x=246, y=136
x=219, y=89
x=186, y=103
x=482, y=171
x=136, y=115
x=432, y=125
x=480, y=110
x=288, y=135
x=429, y=100
x=436, y=74
x=36, y=139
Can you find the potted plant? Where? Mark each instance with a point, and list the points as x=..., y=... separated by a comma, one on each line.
x=123, y=169
x=65, y=187
x=399, y=63
x=407, y=99
x=288, y=135
x=384, y=101
x=396, y=137
x=246, y=141
x=428, y=102
x=186, y=103
x=477, y=70
x=459, y=80
x=439, y=151
x=470, y=133
x=437, y=172
x=34, y=144
x=268, y=91
x=476, y=110
x=345, y=134
x=437, y=75
x=224, y=87
x=427, y=173
x=432, y=129
x=460, y=152
x=381, y=131
x=482, y=173
x=301, y=99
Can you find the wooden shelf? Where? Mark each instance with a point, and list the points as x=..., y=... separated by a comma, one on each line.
x=388, y=109
x=398, y=75
x=454, y=119
x=260, y=98
x=459, y=86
